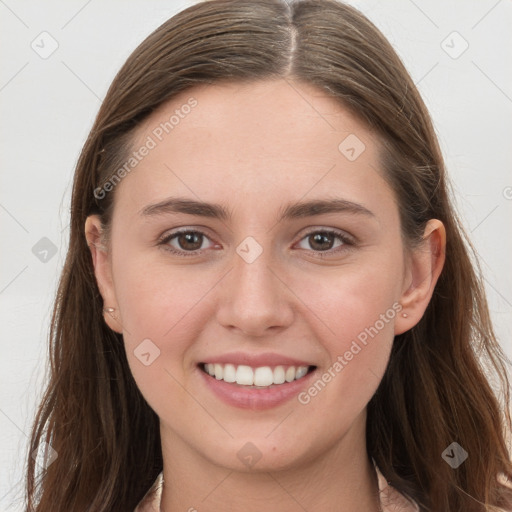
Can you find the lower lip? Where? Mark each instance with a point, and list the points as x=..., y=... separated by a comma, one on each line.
x=246, y=397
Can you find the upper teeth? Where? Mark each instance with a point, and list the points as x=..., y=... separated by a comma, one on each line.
x=261, y=376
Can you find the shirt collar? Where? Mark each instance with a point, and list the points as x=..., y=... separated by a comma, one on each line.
x=390, y=499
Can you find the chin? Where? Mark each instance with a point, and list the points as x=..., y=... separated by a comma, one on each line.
x=259, y=454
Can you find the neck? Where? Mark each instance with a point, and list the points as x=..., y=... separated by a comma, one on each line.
x=343, y=479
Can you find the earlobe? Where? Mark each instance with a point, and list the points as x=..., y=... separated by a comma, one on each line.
x=426, y=263
x=103, y=271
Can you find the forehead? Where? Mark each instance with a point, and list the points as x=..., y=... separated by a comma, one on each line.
x=252, y=142
x=259, y=119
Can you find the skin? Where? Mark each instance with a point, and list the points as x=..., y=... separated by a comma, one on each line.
x=255, y=148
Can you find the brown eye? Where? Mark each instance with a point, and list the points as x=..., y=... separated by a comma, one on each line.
x=190, y=241
x=184, y=243
x=321, y=241
x=326, y=240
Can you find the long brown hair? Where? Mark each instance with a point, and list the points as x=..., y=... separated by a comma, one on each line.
x=436, y=389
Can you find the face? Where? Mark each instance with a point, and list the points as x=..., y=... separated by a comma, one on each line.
x=290, y=278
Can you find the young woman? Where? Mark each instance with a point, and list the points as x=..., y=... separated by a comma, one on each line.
x=268, y=300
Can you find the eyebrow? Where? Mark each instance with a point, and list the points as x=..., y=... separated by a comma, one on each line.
x=217, y=211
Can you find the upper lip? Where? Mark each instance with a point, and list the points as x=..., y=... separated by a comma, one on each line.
x=255, y=360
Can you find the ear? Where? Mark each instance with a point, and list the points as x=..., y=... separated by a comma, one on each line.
x=103, y=271
x=424, y=268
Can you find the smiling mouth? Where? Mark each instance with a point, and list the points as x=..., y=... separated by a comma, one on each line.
x=262, y=377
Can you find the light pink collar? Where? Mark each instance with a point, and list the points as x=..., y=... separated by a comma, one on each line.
x=391, y=500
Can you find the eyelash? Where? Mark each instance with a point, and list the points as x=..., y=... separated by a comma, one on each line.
x=347, y=241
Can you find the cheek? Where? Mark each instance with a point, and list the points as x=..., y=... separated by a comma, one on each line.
x=349, y=300
x=156, y=299
x=357, y=309
x=158, y=305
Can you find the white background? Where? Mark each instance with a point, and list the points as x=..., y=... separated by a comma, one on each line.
x=47, y=107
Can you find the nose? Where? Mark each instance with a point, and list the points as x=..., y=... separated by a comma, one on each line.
x=255, y=299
